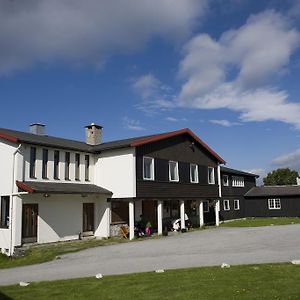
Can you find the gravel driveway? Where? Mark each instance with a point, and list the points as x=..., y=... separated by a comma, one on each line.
x=200, y=248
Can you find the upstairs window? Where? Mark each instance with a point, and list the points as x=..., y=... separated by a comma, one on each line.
x=226, y=204
x=236, y=204
x=45, y=164
x=148, y=168
x=225, y=180
x=4, y=217
x=173, y=171
x=67, y=166
x=77, y=166
x=238, y=181
x=194, y=173
x=211, y=175
x=274, y=203
x=32, y=162
x=87, y=167
x=56, y=165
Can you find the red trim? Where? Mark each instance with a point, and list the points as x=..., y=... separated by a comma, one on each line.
x=24, y=187
x=8, y=137
x=158, y=137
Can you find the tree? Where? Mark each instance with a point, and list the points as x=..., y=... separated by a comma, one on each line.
x=281, y=177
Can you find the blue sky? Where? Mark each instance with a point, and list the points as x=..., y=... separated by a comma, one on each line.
x=228, y=70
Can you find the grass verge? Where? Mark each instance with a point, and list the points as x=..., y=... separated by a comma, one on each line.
x=256, y=222
x=43, y=253
x=269, y=281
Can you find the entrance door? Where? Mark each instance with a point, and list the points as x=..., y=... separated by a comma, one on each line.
x=88, y=218
x=29, y=223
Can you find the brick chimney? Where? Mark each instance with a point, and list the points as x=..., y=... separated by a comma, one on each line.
x=93, y=134
x=37, y=128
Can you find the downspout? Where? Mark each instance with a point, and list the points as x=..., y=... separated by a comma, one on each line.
x=12, y=202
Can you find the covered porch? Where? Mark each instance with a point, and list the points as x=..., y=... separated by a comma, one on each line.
x=161, y=212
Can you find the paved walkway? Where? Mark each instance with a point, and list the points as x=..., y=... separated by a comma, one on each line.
x=200, y=248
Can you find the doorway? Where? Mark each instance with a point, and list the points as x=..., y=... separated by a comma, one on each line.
x=88, y=219
x=29, y=223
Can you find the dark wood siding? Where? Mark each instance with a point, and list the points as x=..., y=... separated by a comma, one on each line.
x=258, y=207
x=232, y=213
x=182, y=150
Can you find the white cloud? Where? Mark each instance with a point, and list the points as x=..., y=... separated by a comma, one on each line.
x=291, y=160
x=80, y=32
x=225, y=123
x=172, y=119
x=147, y=86
x=132, y=124
x=235, y=72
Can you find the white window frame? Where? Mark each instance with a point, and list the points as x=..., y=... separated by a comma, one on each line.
x=274, y=203
x=176, y=171
x=196, y=173
x=206, y=210
x=236, y=204
x=238, y=181
x=213, y=175
x=227, y=183
x=151, y=168
x=226, y=207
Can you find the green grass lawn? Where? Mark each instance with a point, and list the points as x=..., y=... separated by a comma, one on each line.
x=256, y=222
x=42, y=253
x=270, y=281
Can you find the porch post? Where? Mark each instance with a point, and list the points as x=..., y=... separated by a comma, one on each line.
x=201, y=217
x=159, y=216
x=182, y=213
x=131, y=220
x=217, y=208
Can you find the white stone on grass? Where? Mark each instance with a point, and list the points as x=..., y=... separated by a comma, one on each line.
x=22, y=283
x=296, y=262
x=160, y=271
x=99, y=276
x=224, y=265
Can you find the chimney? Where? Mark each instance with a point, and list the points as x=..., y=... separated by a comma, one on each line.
x=37, y=128
x=93, y=134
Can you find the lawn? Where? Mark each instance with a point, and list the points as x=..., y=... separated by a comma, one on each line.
x=42, y=253
x=256, y=222
x=269, y=281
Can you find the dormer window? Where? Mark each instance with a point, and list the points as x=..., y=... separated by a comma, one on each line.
x=173, y=171
x=211, y=175
x=148, y=168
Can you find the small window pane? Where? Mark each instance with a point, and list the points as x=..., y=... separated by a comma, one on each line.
x=56, y=164
x=225, y=180
x=45, y=164
x=32, y=162
x=77, y=166
x=67, y=166
x=194, y=173
x=211, y=175
x=226, y=204
x=4, y=217
x=87, y=167
x=236, y=204
x=173, y=171
x=148, y=168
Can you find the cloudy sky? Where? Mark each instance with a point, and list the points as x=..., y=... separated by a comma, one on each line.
x=227, y=69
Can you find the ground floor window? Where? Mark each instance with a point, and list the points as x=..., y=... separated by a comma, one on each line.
x=274, y=203
x=226, y=204
x=4, y=217
x=236, y=204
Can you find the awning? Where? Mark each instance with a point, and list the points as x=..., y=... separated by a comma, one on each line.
x=61, y=188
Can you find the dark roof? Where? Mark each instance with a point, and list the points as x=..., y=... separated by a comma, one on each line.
x=50, y=141
x=274, y=191
x=238, y=172
x=61, y=188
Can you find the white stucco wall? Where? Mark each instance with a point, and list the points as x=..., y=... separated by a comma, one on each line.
x=115, y=171
x=60, y=216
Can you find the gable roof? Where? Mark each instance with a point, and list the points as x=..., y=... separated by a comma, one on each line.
x=274, y=191
x=237, y=172
x=61, y=188
x=50, y=141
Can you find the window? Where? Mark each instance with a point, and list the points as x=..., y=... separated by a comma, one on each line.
x=67, y=166
x=173, y=171
x=236, y=204
x=45, y=164
x=32, y=162
x=238, y=181
x=205, y=206
x=194, y=173
x=87, y=168
x=56, y=165
x=4, y=218
x=148, y=168
x=274, y=203
x=225, y=180
x=77, y=166
x=211, y=175
x=226, y=204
